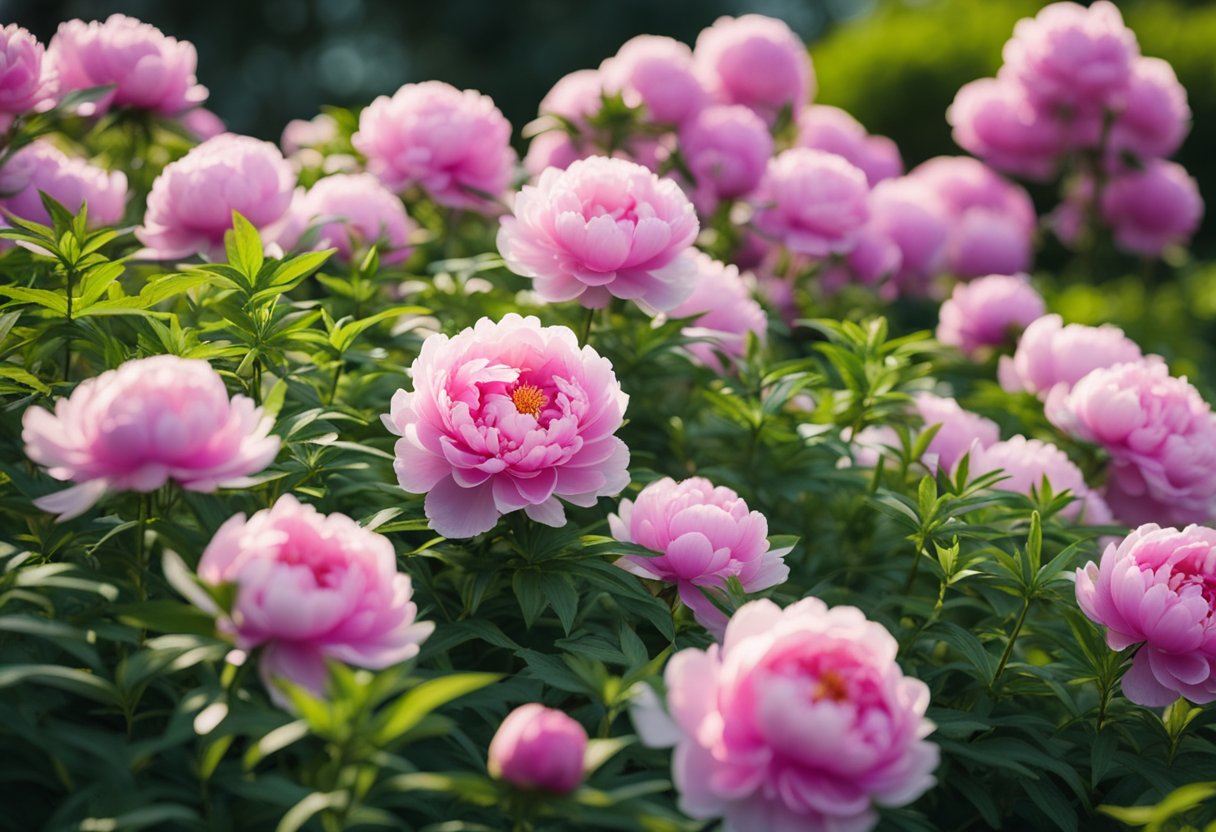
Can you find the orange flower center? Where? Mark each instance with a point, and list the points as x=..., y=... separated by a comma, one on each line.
x=830, y=686
x=529, y=399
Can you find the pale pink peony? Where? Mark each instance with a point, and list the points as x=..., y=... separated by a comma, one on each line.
x=71, y=182
x=1156, y=117
x=551, y=149
x=801, y=719
x=812, y=202
x=988, y=312
x=192, y=200
x=455, y=145
x=202, y=123
x=725, y=312
x=600, y=229
x=909, y=215
x=874, y=257
x=149, y=71
x=1050, y=354
x=507, y=416
x=351, y=212
x=150, y=421
x=726, y=149
x=960, y=430
x=1160, y=435
x=301, y=134
x=1151, y=209
x=1026, y=462
x=576, y=97
x=312, y=587
x=538, y=748
x=833, y=130
x=656, y=73
x=1154, y=588
x=755, y=61
x=705, y=534
x=995, y=119
x=27, y=80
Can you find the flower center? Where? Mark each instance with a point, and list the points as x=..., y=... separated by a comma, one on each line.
x=529, y=399
x=829, y=685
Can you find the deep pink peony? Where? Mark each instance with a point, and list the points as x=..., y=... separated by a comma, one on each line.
x=1155, y=589
x=912, y=218
x=705, y=535
x=507, y=416
x=27, y=80
x=994, y=119
x=1050, y=353
x=755, y=61
x=600, y=229
x=656, y=73
x=137, y=427
x=1159, y=432
x=725, y=312
x=812, y=202
x=311, y=587
x=149, y=71
x=833, y=130
x=455, y=145
x=539, y=748
x=1151, y=209
x=1156, y=117
x=192, y=200
x=988, y=312
x=800, y=720
x=726, y=148
x=71, y=182
x=351, y=212
x=1026, y=462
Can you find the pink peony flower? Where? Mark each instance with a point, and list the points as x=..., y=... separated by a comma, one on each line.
x=1159, y=432
x=656, y=73
x=354, y=212
x=1156, y=117
x=311, y=587
x=1151, y=209
x=874, y=257
x=705, y=534
x=1155, y=589
x=725, y=312
x=909, y=214
x=995, y=119
x=988, y=312
x=27, y=80
x=202, y=123
x=960, y=430
x=1050, y=354
x=833, y=130
x=812, y=202
x=800, y=720
x=453, y=144
x=576, y=97
x=192, y=200
x=505, y=416
x=755, y=61
x=148, y=70
x=539, y=748
x=726, y=149
x=1026, y=462
x=71, y=182
x=137, y=427
x=550, y=149
x=600, y=229
x=301, y=134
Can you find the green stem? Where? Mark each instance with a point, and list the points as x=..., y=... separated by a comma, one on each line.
x=333, y=384
x=586, y=336
x=67, y=337
x=920, y=553
x=141, y=548
x=1013, y=637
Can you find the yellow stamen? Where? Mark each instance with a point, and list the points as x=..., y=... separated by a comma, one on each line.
x=830, y=686
x=529, y=399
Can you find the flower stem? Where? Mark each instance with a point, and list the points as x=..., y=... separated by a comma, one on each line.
x=67, y=336
x=141, y=547
x=1013, y=637
x=586, y=336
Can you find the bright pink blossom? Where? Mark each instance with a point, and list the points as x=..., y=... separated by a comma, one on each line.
x=755, y=61
x=726, y=149
x=1155, y=589
x=656, y=73
x=150, y=421
x=995, y=119
x=1050, y=354
x=1156, y=117
x=507, y=416
x=70, y=181
x=351, y=212
x=1027, y=462
x=725, y=312
x=539, y=748
x=832, y=129
x=27, y=80
x=1151, y=209
x=812, y=202
x=988, y=312
x=312, y=587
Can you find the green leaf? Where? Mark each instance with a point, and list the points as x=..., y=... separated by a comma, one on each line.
x=157, y=816
x=969, y=646
x=530, y=593
x=562, y=596
x=303, y=811
x=275, y=741
x=244, y=247
x=53, y=301
x=65, y=678
x=23, y=378
x=409, y=710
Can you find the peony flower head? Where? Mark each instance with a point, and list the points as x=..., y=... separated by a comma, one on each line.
x=352, y=212
x=1050, y=354
x=455, y=145
x=600, y=229
x=1156, y=116
x=192, y=200
x=988, y=312
x=71, y=182
x=149, y=71
x=1154, y=588
x=705, y=534
x=539, y=748
x=302, y=134
x=725, y=312
x=202, y=123
x=726, y=148
x=550, y=149
x=812, y=202
x=150, y=421
x=909, y=215
x=27, y=80
x=960, y=431
x=1151, y=209
x=311, y=587
x=833, y=130
x=1027, y=462
x=656, y=73
x=576, y=96
x=755, y=61
x=507, y=416
x=995, y=119
x=800, y=719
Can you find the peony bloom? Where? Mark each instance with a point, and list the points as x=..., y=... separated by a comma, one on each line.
x=801, y=719
x=1159, y=432
x=960, y=431
x=1150, y=209
x=833, y=130
x=1050, y=353
x=354, y=212
x=192, y=200
x=1156, y=117
x=311, y=587
x=726, y=148
x=656, y=73
x=550, y=149
x=755, y=61
x=27, y=81
x=705, y=535
x=1026, y=462
x=137, y=427
x=538, y=748
x=303, y=134
x=874, y=257
x=507, y=416
x=1154, y=589
x=988, y=312
x=455, y=145
x=600, y=229
x=994, y=119
x=909, y=215
x=576, y=97
x=725, y=312
x=812, y=202
x=202, y=123
x=71, y=182
x=149, y=71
